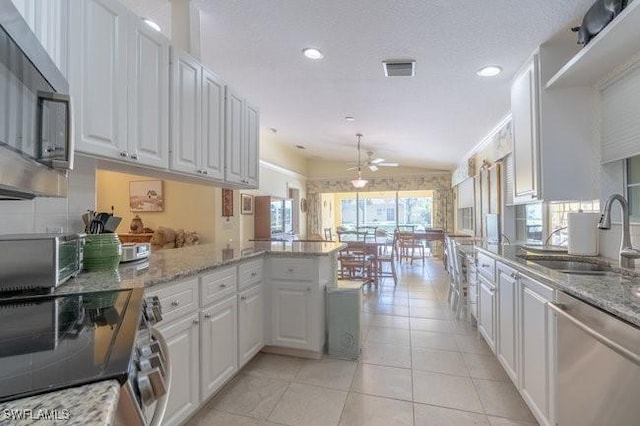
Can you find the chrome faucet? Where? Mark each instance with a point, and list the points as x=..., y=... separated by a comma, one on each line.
x=627, y=253
x=552, y=233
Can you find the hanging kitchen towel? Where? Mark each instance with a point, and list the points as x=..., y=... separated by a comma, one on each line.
x=583, y=233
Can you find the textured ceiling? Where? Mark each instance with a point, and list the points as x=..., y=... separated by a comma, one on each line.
x=431, y=120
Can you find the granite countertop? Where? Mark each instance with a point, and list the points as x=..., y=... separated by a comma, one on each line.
x=171, y=264
x=93, y=404
x=617, y=293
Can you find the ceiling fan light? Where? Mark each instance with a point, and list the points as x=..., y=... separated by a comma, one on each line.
x=359, y=183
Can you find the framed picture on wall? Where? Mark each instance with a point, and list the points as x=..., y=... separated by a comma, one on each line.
x=227, y=202
x=146, y=196
x=246, y=201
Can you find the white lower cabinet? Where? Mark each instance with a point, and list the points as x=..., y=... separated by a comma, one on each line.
x=250, y=323
x=218, y=345
x=292, y=315
x=507, y=330
x=486, y=310
x=537, y=350
x=182, y=338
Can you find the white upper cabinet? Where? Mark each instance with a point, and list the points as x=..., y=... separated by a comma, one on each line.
x=524, y=106
x=49, y=20
x=234, y=137
x=252, y=136
x=212, y=125
x=148, y=137
x=186, y=102
x=119, y=81
x=198, y=118
x=98, y=75
x=553, y=133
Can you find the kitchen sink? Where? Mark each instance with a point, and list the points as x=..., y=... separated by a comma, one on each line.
x=573, y=266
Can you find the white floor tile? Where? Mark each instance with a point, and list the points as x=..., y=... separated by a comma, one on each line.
x=366, y=410
x=309, y=406
x=380, y=380
x=429, y=415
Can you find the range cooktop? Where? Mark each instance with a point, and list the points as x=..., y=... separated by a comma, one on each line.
x=50, y=342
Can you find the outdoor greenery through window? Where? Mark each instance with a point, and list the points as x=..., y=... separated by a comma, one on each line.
x=385, y=210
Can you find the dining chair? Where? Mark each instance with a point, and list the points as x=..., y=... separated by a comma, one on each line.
x=410, y=247
x=459, y=290
x=390, y=258
x=327, y=234
x=359, y=262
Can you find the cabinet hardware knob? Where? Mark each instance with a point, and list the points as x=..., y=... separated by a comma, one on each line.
x=484, y=265
x=196, y=321
x=207, y=316
x=254, y=273
x=243, y=297
x=134, y=157
x=124, y=154
x=223, y=285
x=204, y=172
x=309, y=289
x=290, y=270
x=175, y=303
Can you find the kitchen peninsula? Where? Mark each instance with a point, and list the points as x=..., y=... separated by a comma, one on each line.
x=221, y=305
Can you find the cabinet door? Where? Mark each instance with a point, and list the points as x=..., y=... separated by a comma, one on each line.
x=219, y=341
x=524, y=109
x=212, y=125
x=507, y=343
x=148, y=102
x=252, y=141
x=98, y=76
x=536, y=350
x=234, y=137
x=184, y=393
x=186, y=104
x=250, y=323
x=292, y=315
x=486, y=311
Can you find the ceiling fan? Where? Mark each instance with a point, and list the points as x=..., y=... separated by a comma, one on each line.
x=372, y=163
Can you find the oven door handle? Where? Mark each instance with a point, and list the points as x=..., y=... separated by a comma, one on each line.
x=620, y=350
x=161, y=404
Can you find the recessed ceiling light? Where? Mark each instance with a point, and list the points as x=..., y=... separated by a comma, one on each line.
x=312, y=53
x=152, y=24
x=349, y=118
x=301, y=147
x=489, y=71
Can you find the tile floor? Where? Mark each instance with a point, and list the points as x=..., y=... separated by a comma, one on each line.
x=419, y=366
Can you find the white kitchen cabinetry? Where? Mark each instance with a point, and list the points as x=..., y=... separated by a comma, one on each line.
x=524, y=110
x=292, y=315
x=507, y=312
x=219, y=345
x=184, y=348
x=537, y=348
x=549, y=127
x=49, y=22
x=486, y=310
x=250, y=323
x=197, y=119
x=242, y=140
x=296, y=292
x=118, y=77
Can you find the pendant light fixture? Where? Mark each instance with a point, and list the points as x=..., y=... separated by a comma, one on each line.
x=359, y=183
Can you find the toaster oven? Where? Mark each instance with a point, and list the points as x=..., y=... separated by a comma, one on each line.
x=32, y=261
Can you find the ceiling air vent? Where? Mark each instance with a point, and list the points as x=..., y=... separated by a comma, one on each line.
x=399, y=68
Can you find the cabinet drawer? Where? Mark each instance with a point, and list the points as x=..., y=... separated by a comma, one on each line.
x=177, y=299
x=540, y=289
x=295, y=269
x=218, y=284
x=250, y=273
x=486, y=266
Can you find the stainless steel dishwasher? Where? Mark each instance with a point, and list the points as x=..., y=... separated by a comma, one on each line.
x=598, y=366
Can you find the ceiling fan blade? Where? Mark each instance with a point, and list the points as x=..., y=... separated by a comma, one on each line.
x=377, y=161
x=352, y=168
x=373, y=167
x=388, y=164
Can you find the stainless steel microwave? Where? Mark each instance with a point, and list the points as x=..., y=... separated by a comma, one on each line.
x=36, y=141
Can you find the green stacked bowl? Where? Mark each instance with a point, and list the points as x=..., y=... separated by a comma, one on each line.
x=101, y=252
